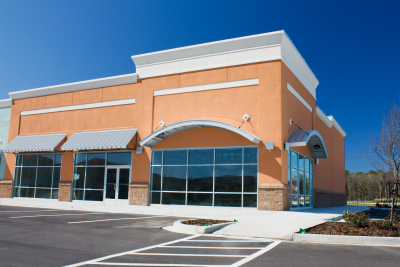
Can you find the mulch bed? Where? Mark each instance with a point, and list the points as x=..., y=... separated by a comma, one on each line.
x=342, y=228
x=202, y=222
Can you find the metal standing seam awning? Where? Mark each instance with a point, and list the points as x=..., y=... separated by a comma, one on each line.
x=113, y=139
x=311, y=138
x=159, y=135
x=35, y=143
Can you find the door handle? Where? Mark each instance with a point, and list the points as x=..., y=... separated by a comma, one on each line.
x=115, y=187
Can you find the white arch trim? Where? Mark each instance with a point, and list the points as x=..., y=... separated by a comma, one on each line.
x=159, y=135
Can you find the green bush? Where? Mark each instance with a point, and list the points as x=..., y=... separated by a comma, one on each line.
x=358, y=220
x=396, y=217
x=385, y=200
x=382, y=225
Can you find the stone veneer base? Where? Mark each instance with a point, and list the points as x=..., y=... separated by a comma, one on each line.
x=324, y=199
x=273, y=197
x=65, y=191
x=6, y=187
x=139, y=194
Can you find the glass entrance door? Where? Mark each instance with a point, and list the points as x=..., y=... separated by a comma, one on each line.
x=117, y=185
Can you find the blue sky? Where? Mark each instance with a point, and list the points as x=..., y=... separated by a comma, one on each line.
x=351, y=46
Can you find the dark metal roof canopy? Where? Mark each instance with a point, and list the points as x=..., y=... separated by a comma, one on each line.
x=311, y=138
x=159, y=135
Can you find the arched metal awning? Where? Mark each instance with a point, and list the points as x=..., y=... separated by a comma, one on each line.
x=311, y=138
x=159, y=135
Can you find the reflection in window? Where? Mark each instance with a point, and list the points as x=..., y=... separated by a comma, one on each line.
x=300, y=180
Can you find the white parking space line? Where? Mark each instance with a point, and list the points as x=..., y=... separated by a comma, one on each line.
x=229, y=241
x=95, y=261
x=118, y=219
x=50, y=215
x=255, y=255
x=212, y=247
x=189, y=255
x=245, y=258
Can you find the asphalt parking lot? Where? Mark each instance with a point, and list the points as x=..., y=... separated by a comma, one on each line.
x=43, y=237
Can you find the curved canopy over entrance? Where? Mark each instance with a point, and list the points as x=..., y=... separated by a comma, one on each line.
x=159, y=135
x=311, y=138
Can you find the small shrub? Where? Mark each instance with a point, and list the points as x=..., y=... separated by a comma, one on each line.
x=396, y=218
x=358, y=220
x=378, y=204
x=382, y=225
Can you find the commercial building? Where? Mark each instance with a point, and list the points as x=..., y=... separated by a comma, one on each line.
x=228, y=123
x=5, y=110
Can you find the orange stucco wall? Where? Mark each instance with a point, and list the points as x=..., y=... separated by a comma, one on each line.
x=269, y=104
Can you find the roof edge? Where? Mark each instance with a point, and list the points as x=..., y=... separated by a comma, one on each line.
x=323, y=117
x=5, y=103
x=337, y=126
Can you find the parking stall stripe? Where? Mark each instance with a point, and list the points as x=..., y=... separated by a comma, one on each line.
x=255, y=255
x=229, y=241
x=157, y=264
x=49, y=215
x=96, y=261
x=190, y=255
x=212, y=247
x=118, y=219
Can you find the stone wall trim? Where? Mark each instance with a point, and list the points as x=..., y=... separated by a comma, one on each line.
x=6, y=187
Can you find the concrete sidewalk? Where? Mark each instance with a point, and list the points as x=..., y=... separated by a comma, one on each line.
x=250, y=222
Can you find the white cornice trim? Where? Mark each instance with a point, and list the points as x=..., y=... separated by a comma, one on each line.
x=78, y=107
x=5, y=103
x=298, y=96
x=231, y=52
x=204, y=87
x=337, y=126
x=76, y=86
x=323, y=117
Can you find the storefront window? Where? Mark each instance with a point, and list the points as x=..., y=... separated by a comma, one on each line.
x=205, y=177
x=300, y=175
x=90, y=174
x=37, y=175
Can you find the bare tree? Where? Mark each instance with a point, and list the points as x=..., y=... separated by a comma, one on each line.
x=385, y=149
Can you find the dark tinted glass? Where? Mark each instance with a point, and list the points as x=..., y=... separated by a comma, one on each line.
x=26, y=192
x=199, y=199
x=119, y=158
x=124, y=176
x=93, y=195
x=250, y=155
x=228, y=178
x=46, y=160
x=57, y=160
x=249, y=201
x=175, y=157
x=28, y=176
x=301, y=182
x=30, y=160
x=79, y=177
x=201, y=156
x=56, y=176
x=44, y=177
x=95, y=177
x=200, y=178
x=230, y=200
x=123, y=191
x=19, y=160
x=43, y=193
x=156, y=178
x=155, y=198
x=228, y=156
x=80, y=158
x=96, y=159
x=173, y=198
x=17, y=178
x=250, y=178
x=54, y=194
x=77, y=195
x=174, y=178
x=156, y=157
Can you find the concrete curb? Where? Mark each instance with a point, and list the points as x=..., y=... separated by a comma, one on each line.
x=195, y=229
x=342, y=239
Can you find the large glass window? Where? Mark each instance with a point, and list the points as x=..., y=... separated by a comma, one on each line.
x=37, y=175
x=90, y=172
x=205, y=176
x=300, y=176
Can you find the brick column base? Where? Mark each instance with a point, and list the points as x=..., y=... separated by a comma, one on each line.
x=324, y=198
x=139, y=194
x=273, y=197
x=65, y=191
x=6, y=187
